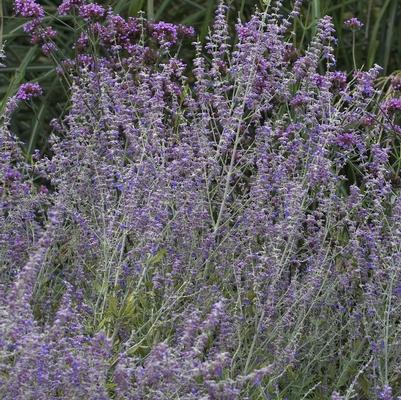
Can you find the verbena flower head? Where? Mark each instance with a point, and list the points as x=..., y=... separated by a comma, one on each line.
x=48, y=48
x=29, y=9
x=353, y=23
x=68, y=5
x=28, y=91
x=185, y=31
x=165, y=33
x=91, y=11
x=392, y=105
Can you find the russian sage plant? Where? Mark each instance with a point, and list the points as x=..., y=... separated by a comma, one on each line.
x=227, y=229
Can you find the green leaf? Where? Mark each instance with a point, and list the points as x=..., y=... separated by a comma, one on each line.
x=158, y=257
x=18, y=77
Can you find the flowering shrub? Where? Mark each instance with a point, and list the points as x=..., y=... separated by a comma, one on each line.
x=230, y=232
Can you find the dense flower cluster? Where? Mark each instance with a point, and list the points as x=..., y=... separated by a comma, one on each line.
x=28, y=8
x=40, y=34
x=68, y=5
x=92, y=10
x=29, y=90
x=392, y=105
x=226, y=231
x=168, y=34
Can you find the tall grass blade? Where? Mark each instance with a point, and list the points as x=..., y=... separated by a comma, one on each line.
x=19, y=76
x=374, y=41
x=389, y=35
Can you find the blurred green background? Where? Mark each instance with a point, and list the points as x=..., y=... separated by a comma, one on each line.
x=378, y=42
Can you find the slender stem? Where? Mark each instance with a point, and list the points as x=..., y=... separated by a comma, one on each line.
x=228, y=178
x=1, y=23
x=386, y=330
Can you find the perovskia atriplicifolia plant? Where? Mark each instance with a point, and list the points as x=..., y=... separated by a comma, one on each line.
x=229, y=230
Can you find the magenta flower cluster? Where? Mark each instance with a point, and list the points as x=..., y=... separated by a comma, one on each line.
x=224, y=229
